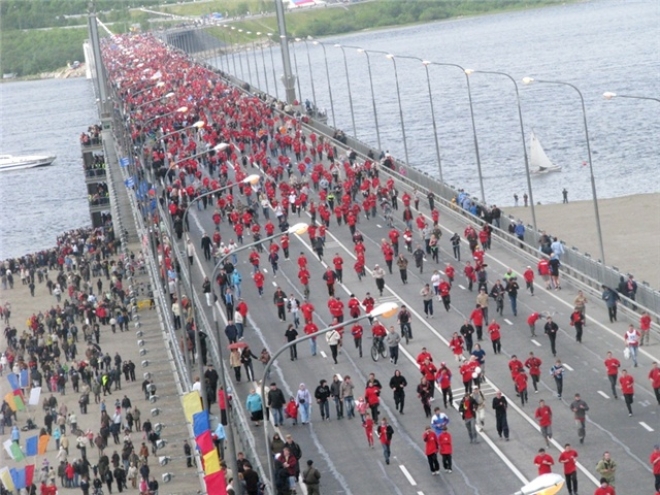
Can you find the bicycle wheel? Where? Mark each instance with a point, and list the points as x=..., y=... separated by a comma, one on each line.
x=374, y=353
x=383, y=350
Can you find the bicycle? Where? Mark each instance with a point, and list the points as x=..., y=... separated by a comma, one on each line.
x=378, y=349
x=406, y=331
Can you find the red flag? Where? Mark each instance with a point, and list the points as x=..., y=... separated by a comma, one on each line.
x=216, y=482
x=205, y=442
x=29, y=474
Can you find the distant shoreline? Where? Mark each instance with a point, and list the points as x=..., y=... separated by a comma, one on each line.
x=631, y=230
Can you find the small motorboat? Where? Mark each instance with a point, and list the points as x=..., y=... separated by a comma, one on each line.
x=11, y=162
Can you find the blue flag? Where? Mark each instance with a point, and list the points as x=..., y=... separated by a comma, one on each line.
x=200, y=423
x=124, y=161
x=130, y=182
x=31, y=446
x=13, y=381
x=18, y=477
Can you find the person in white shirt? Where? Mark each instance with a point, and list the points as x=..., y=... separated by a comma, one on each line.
x=632, y=338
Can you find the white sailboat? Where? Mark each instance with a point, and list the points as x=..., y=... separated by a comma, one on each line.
x=539, y=163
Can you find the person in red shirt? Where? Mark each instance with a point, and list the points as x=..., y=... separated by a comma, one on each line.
x=309, y=329
x=654, y=459
x=456, y=345
x=644, y=327
x=385, y=432
x=533, y=364
x=515, y=366
x=627, y=383
x=285, y=246
x=259, y=282
x=443, y=379
x=604, y=488
x=567, y=458
x=543, y=415
x=338, y=263
x=446, y=449
x=470, y=275
x=495, y=336
x=450, y=273
x=477, y=319
x=431, y=449
x=356, y=332
x=329, y=277
x=368, y=425
x=654, y=376
x=612, y=365
x=303, y=276
x=543, y=462
x=254, y=260
x=444, y=288
x=423, y=356
x=466, y=371
x=394, y=240
x=528, y=275
x=520, y=381
x=368, y=304
x=531, y=321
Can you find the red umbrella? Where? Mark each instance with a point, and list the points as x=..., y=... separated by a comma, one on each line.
x=236, y=345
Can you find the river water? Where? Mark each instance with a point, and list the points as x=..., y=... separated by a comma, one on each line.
x=599, y=46
x=608, y=45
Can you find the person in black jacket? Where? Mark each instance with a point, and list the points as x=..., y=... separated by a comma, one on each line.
x=322, y=394
x=398, y=384
x=276, y=401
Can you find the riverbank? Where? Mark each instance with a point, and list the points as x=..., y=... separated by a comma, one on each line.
x=62, y=73
x=631, y=231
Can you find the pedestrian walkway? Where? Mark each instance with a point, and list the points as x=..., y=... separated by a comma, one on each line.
x=167, y=407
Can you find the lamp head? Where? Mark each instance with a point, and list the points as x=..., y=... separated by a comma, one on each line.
x=169, y=95
x=469, y=71
x=252, y=179
x=199, y=124
x=361, y=50
x=337, y=45
x=258, y=33
x=315, y=42
x=426, y=62
x=527, y=80
x=297, y=39
x=546, y=484
x=608, y=95
x=390, y=56
x=221, y=146
x=160, y=84
x=299, y=228
x=386, y=310
x=182, y=109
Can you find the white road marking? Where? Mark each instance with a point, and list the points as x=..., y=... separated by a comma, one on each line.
x=420, y=493
x=568, y=367
x=603, y=394
x=379, y=226
x=325, y=356
x=405, y=472
x=274, y=284
x=645, y=426
x=536, y=343
x=508, y=321
x=461, y=287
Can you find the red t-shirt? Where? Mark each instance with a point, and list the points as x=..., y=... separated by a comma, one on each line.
x=612, y=365
x=544, y=415
x=568, y=459
x=544, y=463
x=654, y=459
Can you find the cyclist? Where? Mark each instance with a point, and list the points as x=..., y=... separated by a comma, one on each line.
x=379, y=332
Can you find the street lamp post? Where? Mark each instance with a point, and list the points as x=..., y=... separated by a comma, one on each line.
x=608, y=95
x=161, y=97
x=256, y=67
x=398, y=95
x=272, y=63
x=178, y=110
x=231, y=49
x=295, y=63
x=240, y=57
x=263, y=61
x=300, y=228
x=348, y=86
x=529, y=80
x=385, y=310
x=311, y=73
x=426, y=63
x=373, y=97
x=474, y=127
x=327, y=74
x=247, y=59
x=522, y=133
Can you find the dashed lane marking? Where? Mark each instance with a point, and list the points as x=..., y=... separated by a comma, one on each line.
x=603, y=394
x=536, y=343
x=568, y=367
x=508, y=321
x=645, y=426
x=405, y=472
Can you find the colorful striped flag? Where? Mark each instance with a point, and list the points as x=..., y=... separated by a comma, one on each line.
x=216, y=482
x=200, y=423
x=205, y=442
x=191, y=404
x=5, y=477
x=211, y=463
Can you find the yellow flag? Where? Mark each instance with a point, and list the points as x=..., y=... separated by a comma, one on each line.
x=43, y=444
x=192, y=404
x=9, y=398
x=5, y=476
x=211, y=462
